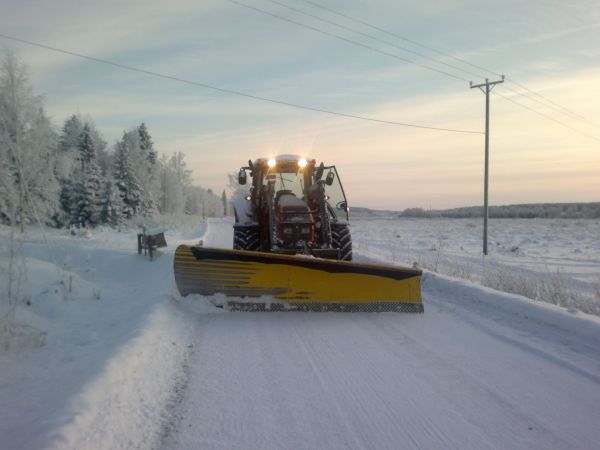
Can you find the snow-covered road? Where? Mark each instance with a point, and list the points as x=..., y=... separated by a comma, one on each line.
x=478, y=370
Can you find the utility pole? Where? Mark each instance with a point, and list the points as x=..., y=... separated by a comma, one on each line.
x=489, y=85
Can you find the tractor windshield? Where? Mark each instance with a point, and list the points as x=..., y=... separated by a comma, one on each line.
x=288, y=181
x=286, y=177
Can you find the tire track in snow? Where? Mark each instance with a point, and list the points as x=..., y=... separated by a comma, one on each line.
x=423, y=422
x=374, y=390
x=360, y=389
x=522, y=390
x=521, y=331
x=324, y=385
x=465, y=395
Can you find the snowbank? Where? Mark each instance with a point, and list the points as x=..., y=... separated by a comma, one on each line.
x=473, y=296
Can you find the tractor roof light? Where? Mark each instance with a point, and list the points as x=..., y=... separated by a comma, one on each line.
x=271, y=162
x=301, y=163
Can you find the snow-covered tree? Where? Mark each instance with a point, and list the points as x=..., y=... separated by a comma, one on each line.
x=68, y=147
x=138, y=146
x=224, y=200
x=175, y=179
x=212, y=204
x=29, y=189
x=85, y=195
x=86, y=147
x=111, y=205
x=148, y=176
x=146, y=145
x=125, y=179
x=71, y=154
x=103, y=157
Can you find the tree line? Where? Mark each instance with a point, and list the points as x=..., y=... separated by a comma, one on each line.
x=522, y=211
x=70, y=177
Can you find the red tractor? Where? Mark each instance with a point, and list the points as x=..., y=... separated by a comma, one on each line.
x=294, y=206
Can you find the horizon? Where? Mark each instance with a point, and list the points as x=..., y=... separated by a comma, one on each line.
x=548, y=155
x=479, y=206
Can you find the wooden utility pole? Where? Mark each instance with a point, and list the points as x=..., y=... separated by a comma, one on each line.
x=489, y=85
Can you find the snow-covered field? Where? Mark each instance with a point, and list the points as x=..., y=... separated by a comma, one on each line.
x=121, y=361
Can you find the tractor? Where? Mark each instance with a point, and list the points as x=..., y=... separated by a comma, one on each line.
x=294, y=207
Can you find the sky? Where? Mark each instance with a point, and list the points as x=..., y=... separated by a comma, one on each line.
x=549, y=47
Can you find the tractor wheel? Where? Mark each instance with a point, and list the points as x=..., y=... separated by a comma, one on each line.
x=246, y=238
x=341, y=239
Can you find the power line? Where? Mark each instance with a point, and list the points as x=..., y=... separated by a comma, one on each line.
x=566, y=110
x=547, y=117
x=562, y=109
x=403, y=38
x=546, y=101
x=375, y=38
x=231, y=91
x=351, y=41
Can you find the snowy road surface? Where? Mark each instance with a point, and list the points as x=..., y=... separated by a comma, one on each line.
x=465, y=375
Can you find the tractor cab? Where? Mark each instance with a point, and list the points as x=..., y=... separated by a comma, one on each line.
x=300, y=177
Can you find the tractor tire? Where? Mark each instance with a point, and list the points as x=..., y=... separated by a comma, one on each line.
x=341, y=239
x=246, y=238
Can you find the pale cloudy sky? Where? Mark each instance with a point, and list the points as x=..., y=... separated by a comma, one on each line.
x=549, y=46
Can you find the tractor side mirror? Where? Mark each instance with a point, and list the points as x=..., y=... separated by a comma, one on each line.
x=242, y=177
x=329, y=178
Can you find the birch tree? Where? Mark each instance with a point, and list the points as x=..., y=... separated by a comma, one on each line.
x=29, y=189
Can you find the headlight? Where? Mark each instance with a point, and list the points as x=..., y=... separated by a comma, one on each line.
x=248, y=197
x=271, y=162
x=302, y=163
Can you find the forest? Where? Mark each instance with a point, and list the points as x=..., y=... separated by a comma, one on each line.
x=67, y=175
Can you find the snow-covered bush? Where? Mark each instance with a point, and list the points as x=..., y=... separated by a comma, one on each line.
x=16, y=335
x=556, y=288
x=506, y=280
x=458, y=269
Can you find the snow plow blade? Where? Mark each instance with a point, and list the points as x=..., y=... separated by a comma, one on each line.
x=295, y=282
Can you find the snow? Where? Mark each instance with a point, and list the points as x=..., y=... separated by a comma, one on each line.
x=127, y=363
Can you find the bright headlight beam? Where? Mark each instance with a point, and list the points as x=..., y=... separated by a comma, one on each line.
x=302, y=163
x=271, y=162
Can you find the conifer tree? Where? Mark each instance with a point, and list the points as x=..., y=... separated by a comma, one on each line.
x=66, y=196
x=111, y=211
x=87, y=187
x=86, y=146
x=146, y=144
x=126, y=181
x=70, y=134
x=147, y=170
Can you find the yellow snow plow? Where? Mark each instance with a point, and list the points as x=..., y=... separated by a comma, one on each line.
x=292, y=244
x=295, y=282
